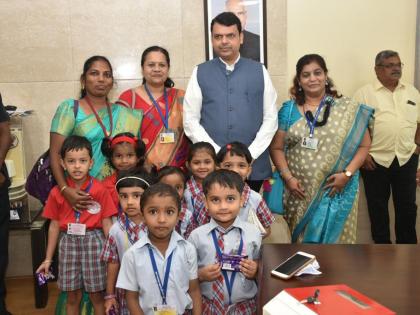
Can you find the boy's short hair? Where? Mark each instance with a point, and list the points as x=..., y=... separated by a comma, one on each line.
x=225, y=178
x=234, y=148
x=171, y=170
x=161, y=190
x=139, y=177
x=75, y=143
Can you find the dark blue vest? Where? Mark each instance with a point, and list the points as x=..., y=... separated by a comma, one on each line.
x=232, y=107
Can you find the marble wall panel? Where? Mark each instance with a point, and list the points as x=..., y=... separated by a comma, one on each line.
x=35, y=41
x=277, y=37
x=121, y=30
x=43, y=97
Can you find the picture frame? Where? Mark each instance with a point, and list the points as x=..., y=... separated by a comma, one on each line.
x=252, y=14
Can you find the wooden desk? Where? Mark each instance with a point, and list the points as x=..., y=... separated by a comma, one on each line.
x=389, y=274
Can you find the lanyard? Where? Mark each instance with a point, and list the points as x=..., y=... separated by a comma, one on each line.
x=163, y=287
x=164, y=118
x=98, y=119
x=312, y=123
x=229, y=282
x=77, y=213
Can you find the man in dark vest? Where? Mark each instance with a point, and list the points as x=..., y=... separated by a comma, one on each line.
x=231, y=98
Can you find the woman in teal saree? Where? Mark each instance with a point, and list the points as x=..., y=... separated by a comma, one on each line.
x=319, y=147
x=95, y=118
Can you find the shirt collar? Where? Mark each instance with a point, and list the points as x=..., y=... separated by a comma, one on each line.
x=173, y=243
x=72, y=184
x=232, y=66
x=212, y=225
x=131, y=225
x=378, y=85
x=246, y=193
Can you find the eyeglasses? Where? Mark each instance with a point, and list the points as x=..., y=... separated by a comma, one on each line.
x=392, y=65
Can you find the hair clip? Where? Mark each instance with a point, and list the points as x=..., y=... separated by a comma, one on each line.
x=131, y=177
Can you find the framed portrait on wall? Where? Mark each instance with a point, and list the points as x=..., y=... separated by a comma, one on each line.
x=252, y=15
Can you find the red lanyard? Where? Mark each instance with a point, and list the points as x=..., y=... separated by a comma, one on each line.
x=98, y=119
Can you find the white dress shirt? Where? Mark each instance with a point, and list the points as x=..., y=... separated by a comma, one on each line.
x=192, y=114
x=136, y=273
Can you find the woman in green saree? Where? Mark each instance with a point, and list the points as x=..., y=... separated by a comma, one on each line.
x=93, y=117
x=319, y=147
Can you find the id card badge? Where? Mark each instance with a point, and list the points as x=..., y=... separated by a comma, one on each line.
x=232, y=262
x=168, y=136
x=309, y=143
x=164, y=310
x=76, y=229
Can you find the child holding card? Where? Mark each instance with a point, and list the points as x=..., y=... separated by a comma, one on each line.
x=82, y=232
x=228, y=249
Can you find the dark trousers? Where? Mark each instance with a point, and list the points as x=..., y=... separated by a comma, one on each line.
x=378, y=185
x=4, y=242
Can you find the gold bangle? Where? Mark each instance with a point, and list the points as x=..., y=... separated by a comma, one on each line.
x=63, y=188
x=47, y=261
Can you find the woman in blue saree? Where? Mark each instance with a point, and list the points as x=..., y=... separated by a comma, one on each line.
x=318, y=149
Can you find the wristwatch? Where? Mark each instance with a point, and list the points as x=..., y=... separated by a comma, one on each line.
x=347, y=173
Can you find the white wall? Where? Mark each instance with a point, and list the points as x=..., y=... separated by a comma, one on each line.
x=349, y=34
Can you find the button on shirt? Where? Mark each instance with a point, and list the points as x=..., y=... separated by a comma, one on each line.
x=395, y=121
x=136, y=273
x=201, y=238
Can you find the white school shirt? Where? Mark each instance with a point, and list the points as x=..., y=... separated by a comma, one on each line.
x=136, y=273
x=192, y=114
x=119, y=234
x=201, y=238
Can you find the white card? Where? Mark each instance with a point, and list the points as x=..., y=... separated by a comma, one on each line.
x=76, y=229
x=167, y=137
x=309, y=143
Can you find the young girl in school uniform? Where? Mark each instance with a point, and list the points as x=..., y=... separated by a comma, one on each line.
x=159, y=272
x=123, y=233
x=175, y=177
x=236, y=157
x=201, y=161
x=124, y=152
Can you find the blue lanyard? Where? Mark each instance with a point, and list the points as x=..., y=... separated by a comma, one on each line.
x=164, y=118
x=311, y=124
x=162, y=287
x=127, y=228
x=229, y=282
x=77, y=213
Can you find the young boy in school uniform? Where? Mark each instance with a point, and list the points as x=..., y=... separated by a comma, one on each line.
x=159, y=272
x=236, y=157
x=221, y=244
x=82, y=232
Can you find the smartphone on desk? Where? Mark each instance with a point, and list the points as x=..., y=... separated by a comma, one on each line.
x=292, y=265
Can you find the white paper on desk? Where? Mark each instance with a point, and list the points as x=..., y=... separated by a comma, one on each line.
x=285, y=304
x=311, y=269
